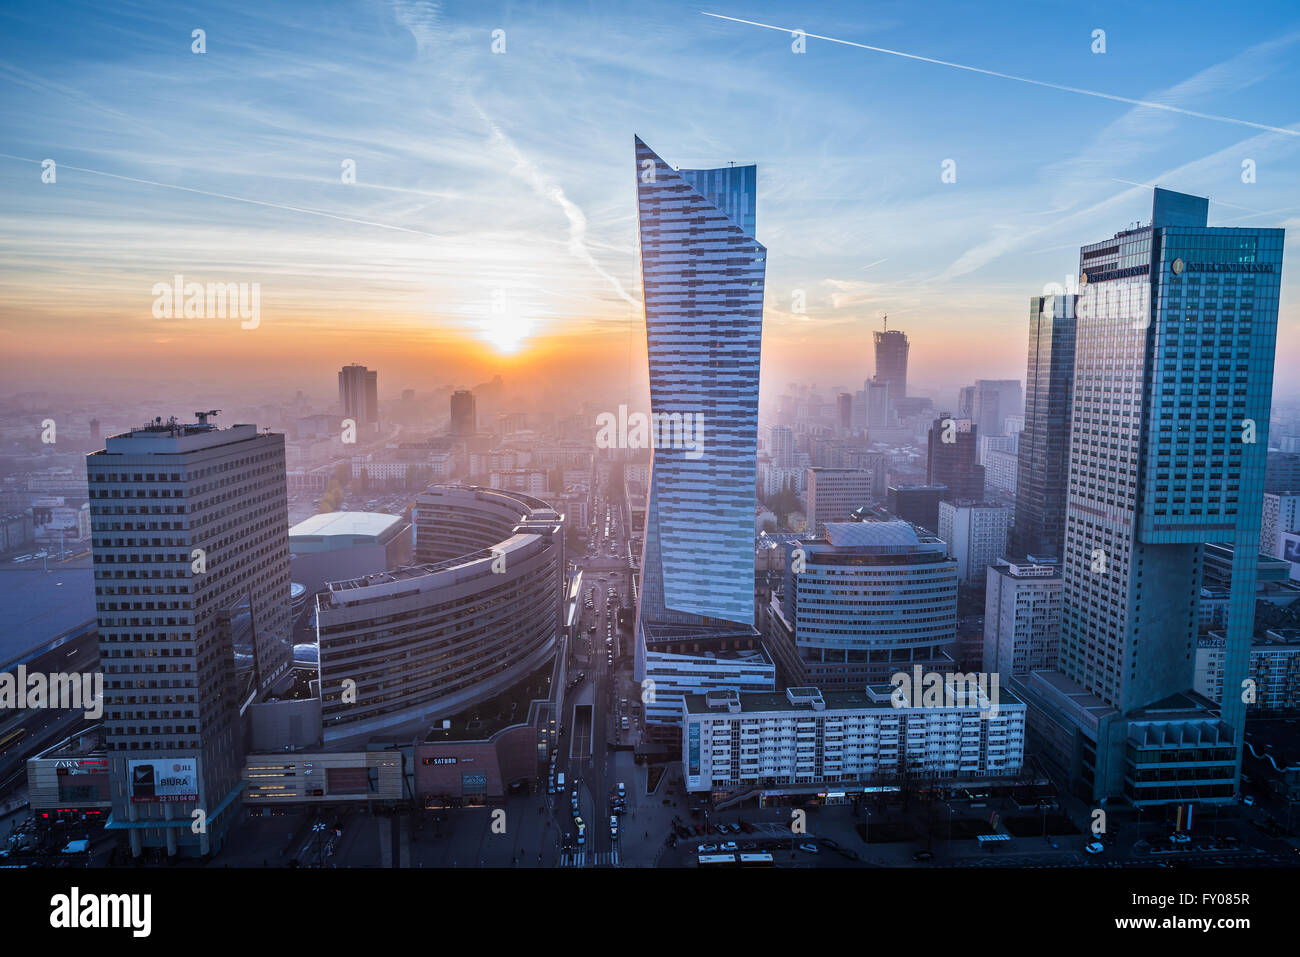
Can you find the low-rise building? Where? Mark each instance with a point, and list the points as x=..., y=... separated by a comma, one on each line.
x=805, y=739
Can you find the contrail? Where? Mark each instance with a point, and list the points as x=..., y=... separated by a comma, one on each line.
x=237, y=199
x=1019, y=79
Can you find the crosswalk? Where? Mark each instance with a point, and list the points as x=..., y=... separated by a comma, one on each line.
x=585, y=859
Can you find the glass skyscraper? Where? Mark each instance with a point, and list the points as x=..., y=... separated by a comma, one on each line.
x=1173, y=376
x=702, y=273
x=1042, y=466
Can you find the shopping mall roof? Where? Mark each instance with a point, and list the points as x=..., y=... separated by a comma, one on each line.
x=330, y=530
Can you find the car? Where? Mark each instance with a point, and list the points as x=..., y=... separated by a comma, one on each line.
x=707, y=848
x=1180, y=838
x=613, y=821
x=577, y=822
x=827, y=842
x=582, y=838
x=622, y=791
x=1096, y=847
x=808, y=848
x=919, y=856
x=727, y=846
x=550, y=786
x=1248, y=800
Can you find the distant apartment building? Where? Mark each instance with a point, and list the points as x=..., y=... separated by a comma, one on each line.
x=1000, y=473
x=359, y=394
x=464, y=415
x=528, y=481
x=1281, y=516
x=835, y=494
x=976, y=535
x=951, y=459
x=806, y=740
x=191, y=555
x=1022, y=617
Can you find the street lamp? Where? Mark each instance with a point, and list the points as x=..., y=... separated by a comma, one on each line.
x=318, y=828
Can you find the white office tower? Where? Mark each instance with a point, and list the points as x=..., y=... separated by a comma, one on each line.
x=976, y=534
x=191, y=555
x=1022, y=617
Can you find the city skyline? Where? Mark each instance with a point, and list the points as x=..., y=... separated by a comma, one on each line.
x=606, y=439
x=433, y=253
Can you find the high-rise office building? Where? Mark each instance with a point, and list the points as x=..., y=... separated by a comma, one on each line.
x=464, y=416
x=1043, y=466
x=952, y=459
x=891, y=361
x=876, y=403
x=702, y=273
x=359, y=394
x=191, y=554
x=1176, y=329
x=867, y=600
x=703, y=335
x=781, y=446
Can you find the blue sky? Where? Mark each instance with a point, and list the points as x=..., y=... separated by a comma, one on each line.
x=511, y=175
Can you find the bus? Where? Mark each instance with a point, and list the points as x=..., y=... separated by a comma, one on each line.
x=756, y=859
x=716, y=860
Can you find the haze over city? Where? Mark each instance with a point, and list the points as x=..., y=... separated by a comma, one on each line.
x=857, y=441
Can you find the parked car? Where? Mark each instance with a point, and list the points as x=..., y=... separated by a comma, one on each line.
x=1095, y=847
x=707, y=848
x=809, y=848
x=922, y=856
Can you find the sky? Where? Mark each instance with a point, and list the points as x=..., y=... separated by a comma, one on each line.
x=491, y=227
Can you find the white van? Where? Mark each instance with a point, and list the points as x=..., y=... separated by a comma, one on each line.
x=559, y=781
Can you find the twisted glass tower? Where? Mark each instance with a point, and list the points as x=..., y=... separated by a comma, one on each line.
x=702, y=274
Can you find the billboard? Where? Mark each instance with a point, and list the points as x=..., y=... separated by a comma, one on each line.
x=155, y=780
x=347, y=780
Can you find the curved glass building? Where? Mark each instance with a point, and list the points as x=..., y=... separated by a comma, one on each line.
x=481, y=611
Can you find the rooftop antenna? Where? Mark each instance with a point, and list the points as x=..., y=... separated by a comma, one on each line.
x=203, y=416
